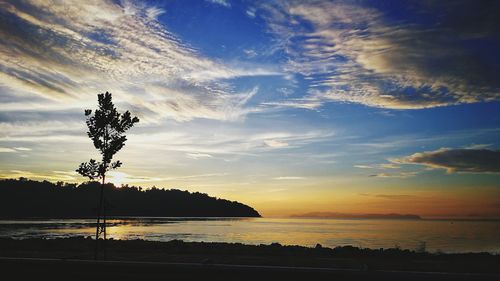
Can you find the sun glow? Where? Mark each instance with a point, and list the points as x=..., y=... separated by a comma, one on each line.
x=117, y=178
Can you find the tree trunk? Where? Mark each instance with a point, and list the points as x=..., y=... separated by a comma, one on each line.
x=100, y=212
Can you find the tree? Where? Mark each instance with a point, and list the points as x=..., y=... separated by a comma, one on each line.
x=107, y=129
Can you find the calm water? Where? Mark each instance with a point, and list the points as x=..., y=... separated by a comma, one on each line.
x=438, y=235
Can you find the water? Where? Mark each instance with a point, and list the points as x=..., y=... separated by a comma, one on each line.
x=438, y=235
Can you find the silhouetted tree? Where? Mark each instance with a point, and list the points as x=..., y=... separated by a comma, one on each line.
x=106, y=129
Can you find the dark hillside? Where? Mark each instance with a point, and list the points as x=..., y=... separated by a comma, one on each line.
x=24, y=198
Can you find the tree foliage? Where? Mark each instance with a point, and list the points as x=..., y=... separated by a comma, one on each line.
x=69, y=200
x=107, y=129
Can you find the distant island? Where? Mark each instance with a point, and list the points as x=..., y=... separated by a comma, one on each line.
x=334, y=215
x=24, y=198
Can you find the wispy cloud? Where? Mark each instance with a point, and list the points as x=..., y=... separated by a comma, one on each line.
x=197, y=156
x=351, y=52
x=224, y=3
x=250, y=12
x=69, y=176
x=67, y=53
x=275, y=143
x=238, y=142
x=401, y=175
x=479, y=146
x=22, y=148
x=390, y=196
x=119, y=178
x=41, y=131
x=363, y=166
x=115, y=177
x=14, y=149
x=378, y=166
x=290, y=178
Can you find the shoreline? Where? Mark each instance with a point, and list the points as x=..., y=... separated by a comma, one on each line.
x=274, y=255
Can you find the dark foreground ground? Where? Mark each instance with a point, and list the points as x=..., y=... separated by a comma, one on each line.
x=72, y=259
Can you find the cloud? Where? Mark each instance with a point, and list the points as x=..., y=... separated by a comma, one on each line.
x=351, y=52
x=389, y=166
x=224, y=3
x=22, y=148
x=290, y=178
x=196, y=177
x=304, y=103
x=70, y=176
x=363, y=166
x=479, y=146
x=64, y=54
x=390, y=196
x=458, y=160
x=194, y=142
x=115, y=177
x=275, y=143
x=119, y=178
x=180, y=140
x=378, y=166
x=188, y=102
x=154, y=12
x=42, y=132
x=197, y=156
x=250, y=53
x=402, y=175
x=14, y=149
x=251, y=12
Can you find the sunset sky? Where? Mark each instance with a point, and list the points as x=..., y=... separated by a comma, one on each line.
x=288, y=106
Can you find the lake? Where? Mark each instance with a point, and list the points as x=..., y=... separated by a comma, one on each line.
x=435, y=235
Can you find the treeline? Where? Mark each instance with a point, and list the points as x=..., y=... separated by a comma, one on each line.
x=23, y=198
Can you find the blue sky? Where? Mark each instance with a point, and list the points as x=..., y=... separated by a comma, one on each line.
x=290, y=106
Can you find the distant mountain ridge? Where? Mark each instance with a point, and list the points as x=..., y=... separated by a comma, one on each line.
x=23, y=198
x=334, y=215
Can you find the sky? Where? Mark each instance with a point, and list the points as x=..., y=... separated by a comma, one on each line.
x=291, y=107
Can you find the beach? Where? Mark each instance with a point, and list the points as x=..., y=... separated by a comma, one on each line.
x=139, y=259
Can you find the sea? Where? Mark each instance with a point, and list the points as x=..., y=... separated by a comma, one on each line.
x=436, y=235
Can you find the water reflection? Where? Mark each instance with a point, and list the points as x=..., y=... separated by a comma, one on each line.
x=438, y=235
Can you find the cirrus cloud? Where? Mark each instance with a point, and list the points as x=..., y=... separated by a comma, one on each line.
x=355, y=52
x=64, y=54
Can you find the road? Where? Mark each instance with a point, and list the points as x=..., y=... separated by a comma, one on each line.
x=58, y=269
